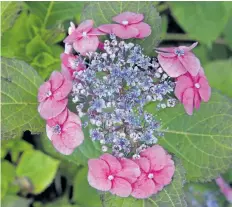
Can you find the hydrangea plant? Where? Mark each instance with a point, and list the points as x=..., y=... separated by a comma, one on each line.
x=140, y=119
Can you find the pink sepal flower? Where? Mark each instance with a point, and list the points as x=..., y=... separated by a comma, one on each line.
x=111, y=174
x=177, y=61
x=84, y=38
x=129, y=25
x=52, y=95
x=224, y=188
x=191, y=91
x=71, y=64
x=65, y=132
x=157, y=169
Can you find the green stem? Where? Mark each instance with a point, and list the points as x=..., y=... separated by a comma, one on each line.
x=162, y=7
x=185, y=37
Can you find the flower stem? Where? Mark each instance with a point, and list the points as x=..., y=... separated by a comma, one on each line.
x=185, y=37
x=162, y=7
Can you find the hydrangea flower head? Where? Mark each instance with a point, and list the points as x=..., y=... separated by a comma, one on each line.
x=111, y=83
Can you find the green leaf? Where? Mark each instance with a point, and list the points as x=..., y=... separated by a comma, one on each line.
x=37, y=46
x=219, y=74
x=82, y=191
x=102, y=13
x=15, y=147
x=15, y=39
x=171, y=196
x=228, y=32
x=9, y=12
x=202, y=141
x=19, y=88
x=164, y=26
x=39, y=168
x=15, y=201
x=201, y=20
x=55, y=12
x=7, y=176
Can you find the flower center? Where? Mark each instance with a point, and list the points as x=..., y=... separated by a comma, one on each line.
x=125, y=22
x=150, y=175
x=197, y=85
x=110, y=177
x=179, y=52
x=57, y=129
x=48, y=93
x=84, y=34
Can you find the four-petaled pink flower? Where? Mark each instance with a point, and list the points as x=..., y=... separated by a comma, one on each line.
x=176, y=61
x=71, y=64
x=111, y=174
x=65, y=132
x=157, y=170
x=53, y=95
x=130, y=26
x=84, y=38
x=192, y=90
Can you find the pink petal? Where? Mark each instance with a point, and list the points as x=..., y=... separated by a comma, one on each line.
x=183, y=82
x=66, y=72
x=205, y=89
x=125, y=32
x=113, y=163
x=87, y=44
x=172, y=66
x=95, y=32
x=73, y=118
x=85, y=26
x=49, y=131
x=144, y=164
x=59, y=119
x=188, y=96
x=166, y=52
x=59, y=145
x=72, y=135
x=157, y=157
x=187, y=49
x=131, y=17
x=107, y=28
x=143, y=187
x=72, y=37
x=144, y=29
x=197, y=100
x=190, y=62
x=164, y=176
x=51, y=108
x=121, y=187
x=56, y=80
x=130, y=170
x=98, y=174
x=43, y=89
x=64, y=90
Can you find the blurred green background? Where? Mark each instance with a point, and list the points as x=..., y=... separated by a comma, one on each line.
x=33, y=32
